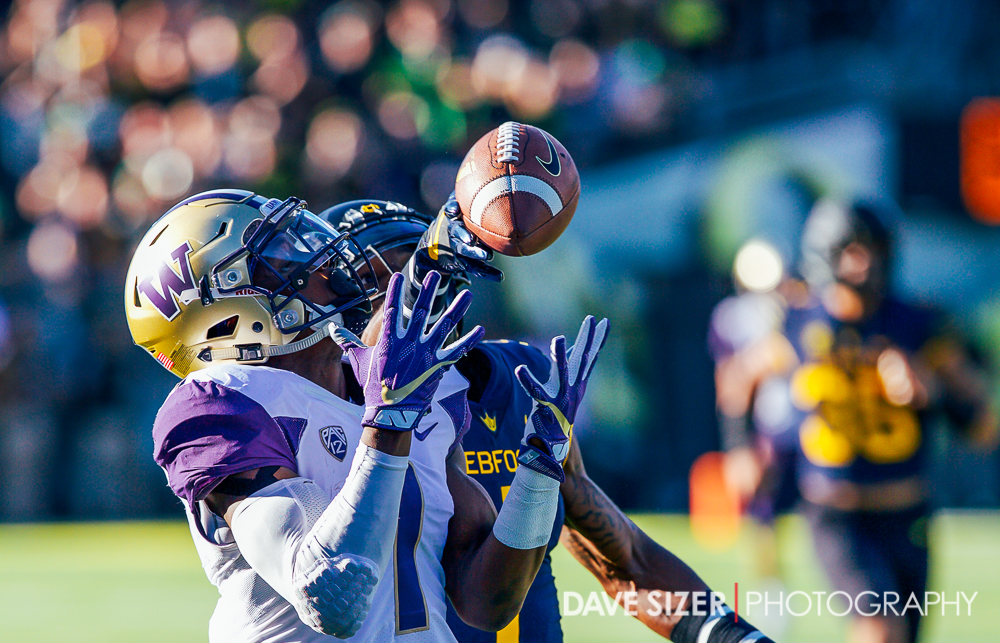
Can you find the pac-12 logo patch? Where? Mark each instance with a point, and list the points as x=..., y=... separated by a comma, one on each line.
x=334, y=440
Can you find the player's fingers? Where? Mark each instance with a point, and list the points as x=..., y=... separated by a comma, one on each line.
x=460, y=232
x=600, y=336
x=485, y=271
x=430, y=284
x=552, y=346
x=450, y=317
x=392, y=317
x=352, y=345
x=425, y=300
x=466, y=250
x=581, y=347
x=460, y=347
x=450, y=207
x=558, y=350
x=531, y=386
x=344, y=338
x=590, y=346
x=557, y=376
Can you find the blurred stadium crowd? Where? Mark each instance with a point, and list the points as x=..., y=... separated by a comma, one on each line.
x=111, y=112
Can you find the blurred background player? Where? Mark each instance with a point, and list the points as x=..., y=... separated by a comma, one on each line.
x=847, y=375
x=759, y=456
x=593, y=529
x=228, y=281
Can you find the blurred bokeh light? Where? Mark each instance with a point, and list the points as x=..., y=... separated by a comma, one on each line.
x=758, y=266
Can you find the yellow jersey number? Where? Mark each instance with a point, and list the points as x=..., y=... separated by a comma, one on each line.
x=851, y=417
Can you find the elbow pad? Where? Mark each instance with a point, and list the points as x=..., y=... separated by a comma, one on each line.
x=333, y=595
x=326, y=558
x=346, y=552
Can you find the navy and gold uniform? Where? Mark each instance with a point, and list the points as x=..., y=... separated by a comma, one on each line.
x=847, y=428
x=862, y=457
x=500, y=408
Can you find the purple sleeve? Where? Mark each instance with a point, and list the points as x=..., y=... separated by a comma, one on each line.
x=205, y=432
x=456, y=406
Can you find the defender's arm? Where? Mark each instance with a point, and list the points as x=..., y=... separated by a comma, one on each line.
x=619, y=554
x=624, y=559
x=493, y=562
x=486, y=579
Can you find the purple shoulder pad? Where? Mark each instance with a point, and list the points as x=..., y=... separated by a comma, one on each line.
x=205, y=432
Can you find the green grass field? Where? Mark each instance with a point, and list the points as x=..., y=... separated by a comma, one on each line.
x=129, y=582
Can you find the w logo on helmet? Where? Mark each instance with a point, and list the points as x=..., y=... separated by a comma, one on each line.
x=171, y=282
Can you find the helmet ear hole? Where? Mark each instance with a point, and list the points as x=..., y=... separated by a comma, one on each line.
x=225, y=328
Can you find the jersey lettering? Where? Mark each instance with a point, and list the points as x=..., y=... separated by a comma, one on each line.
x=488, y=462
x=850, y=417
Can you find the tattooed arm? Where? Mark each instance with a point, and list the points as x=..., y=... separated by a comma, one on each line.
x=619, y=554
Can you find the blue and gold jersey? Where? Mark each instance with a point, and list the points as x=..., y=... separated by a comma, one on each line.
x=848, y=426
x=499, y=415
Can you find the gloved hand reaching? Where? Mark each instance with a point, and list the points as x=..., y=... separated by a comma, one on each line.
x=450, y=248
x=401, y=372
x=549, y=432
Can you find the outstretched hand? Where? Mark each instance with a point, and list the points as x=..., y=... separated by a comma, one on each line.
x=449, y=247
x=549, y=432
x=400, y=373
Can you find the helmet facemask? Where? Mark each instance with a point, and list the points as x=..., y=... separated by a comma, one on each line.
x=309, y=273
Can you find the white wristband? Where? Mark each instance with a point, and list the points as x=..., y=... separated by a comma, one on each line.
x=526, y=517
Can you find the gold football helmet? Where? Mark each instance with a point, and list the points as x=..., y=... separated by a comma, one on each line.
x=228, y=275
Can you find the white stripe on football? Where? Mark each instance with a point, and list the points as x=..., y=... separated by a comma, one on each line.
x=505, y=185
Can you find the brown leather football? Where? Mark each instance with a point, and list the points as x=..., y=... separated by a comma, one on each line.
x=517, y=188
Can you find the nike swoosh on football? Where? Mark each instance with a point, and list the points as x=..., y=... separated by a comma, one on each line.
x=394, y=396
x=553, y=159
x=420, y=435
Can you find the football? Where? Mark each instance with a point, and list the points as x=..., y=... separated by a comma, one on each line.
x=517, y=189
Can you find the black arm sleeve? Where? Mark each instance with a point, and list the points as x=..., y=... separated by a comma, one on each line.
x=723, y=629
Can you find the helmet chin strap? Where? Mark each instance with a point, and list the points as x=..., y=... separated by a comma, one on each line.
x=256, y=352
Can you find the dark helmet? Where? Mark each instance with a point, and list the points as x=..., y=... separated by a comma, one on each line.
x=381, y=225
x=389, y=233
x=380, y=228
x=831, y=227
